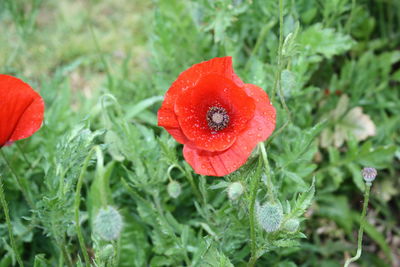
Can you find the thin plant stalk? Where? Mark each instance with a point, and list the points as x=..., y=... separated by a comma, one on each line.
x=76, y=206
x=260, y=39
x=253, y=195
x=23, y=155
x=280, y=47
x=8, y=221
x=362, y=224
x=278, y=82
x=20, y=182
x=350, y=20
x=189, y=177
x=270, y=185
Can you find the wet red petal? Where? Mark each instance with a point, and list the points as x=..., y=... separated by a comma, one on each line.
x=21, y=110
x=221, y=163
x=263, y=123
x=218, y=163
x=213, y=90
x=189, y=78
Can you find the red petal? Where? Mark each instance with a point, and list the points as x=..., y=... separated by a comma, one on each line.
x=21, y=110
x=218, y=163
x=221, y=163
x=263, y=123
x=189, y=78
x=213, y=90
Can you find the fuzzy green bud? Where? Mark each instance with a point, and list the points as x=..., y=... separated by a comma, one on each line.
x=269, y=216
x=174, y=189
x=106, y=253
x=291, y=225
x=108, y=223
x=235, y=190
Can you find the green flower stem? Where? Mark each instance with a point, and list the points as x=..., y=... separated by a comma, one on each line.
x=189, y=176
x=77, y=204
x=260, y=39
x=8, y=221
x=270, y=185
x=100, y=173
x=23, y=155
x=361, y=229
x=278, y=82
x=20, y=182
x=278, y=73
x=253, y=194
x=350, y=20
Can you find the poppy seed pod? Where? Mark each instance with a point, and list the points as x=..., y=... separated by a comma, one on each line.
x=369, y=174
x=235, y=190
x=108, y=223
x=269, y=216
x=174, y=189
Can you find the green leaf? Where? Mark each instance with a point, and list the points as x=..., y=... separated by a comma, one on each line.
x=325, y=41
x=356, y=175
x=303, y=201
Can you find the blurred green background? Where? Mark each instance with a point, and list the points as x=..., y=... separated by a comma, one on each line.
x=102, y=68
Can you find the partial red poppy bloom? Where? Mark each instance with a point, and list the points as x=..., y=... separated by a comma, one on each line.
x=21, y=110
x=217, y=117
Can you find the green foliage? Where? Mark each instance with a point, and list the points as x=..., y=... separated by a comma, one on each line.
x=102, y=68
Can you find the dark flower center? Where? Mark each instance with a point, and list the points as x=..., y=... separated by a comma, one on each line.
x=217, y=118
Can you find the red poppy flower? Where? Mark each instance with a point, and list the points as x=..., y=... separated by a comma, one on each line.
x=217, y=117
x=21, y=110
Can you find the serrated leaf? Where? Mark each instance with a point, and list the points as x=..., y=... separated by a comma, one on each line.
x=325, y=41
x=304, y=201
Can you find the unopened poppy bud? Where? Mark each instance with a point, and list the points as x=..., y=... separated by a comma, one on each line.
x=291, y=225
x=269, y=216
x=108, y=223
x=235, y=190
x=106, y=253
x=174, y=189
x=369, y=174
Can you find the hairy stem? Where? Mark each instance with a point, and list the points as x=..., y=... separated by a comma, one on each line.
x=20, y=182
x=8, y=221
x=271, y=192
x=189, y=176
x=253, y=194
x=361, y=229
x=76, y=206
x=260, y=39
x=350, y=20
x=278, y=73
